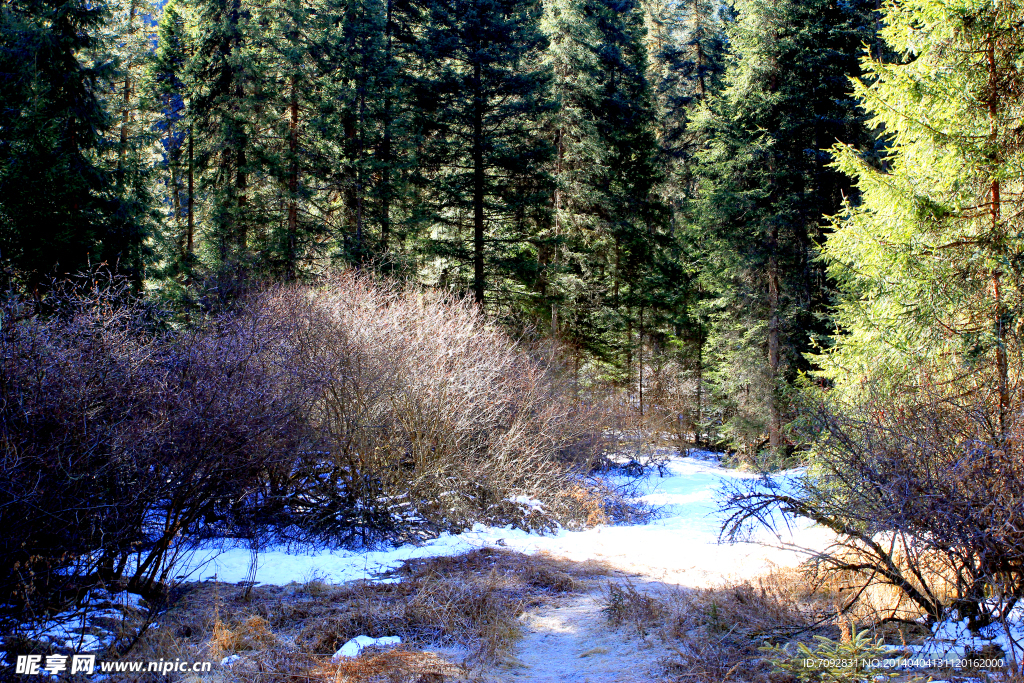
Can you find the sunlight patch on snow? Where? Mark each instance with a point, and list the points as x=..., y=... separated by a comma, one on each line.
x=680, y=546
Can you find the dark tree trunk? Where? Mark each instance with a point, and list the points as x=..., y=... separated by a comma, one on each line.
x=293, y=180
x=478, y=186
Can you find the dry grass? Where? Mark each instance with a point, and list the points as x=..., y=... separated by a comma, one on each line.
x=715, y=633
x=467, y=605
x=252, y=634
x=627, y=606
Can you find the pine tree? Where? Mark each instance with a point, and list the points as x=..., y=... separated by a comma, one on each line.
x=689, y=50
x=289, y=39
x=169, y=96
x=609, y=222
x=60, y=206
x=364, y=76
x=928, y=262
x=765, y=186
x=484, y=98
x=224, y=70
x=126, y=42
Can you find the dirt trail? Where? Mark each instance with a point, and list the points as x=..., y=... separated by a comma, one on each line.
x=571, y=641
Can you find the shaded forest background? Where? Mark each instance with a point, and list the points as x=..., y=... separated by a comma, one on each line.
x=647, y=183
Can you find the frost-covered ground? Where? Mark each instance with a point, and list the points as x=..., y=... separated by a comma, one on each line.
x=680, y=546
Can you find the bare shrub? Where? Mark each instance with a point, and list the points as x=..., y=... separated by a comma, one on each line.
x=352, y=411
x=121, y=437
x=430, y=417
x=923, y=492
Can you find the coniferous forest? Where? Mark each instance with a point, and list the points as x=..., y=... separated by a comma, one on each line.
x=790, y=231
x=649, y=184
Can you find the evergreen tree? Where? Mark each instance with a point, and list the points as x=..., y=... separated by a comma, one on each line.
x=608, y=221
x=60, y=207
x=765, y=186
x=483, y=100
x=929, y=263
x=224, y=71
x=689, y=58
x=169, y=96
x=366, y=85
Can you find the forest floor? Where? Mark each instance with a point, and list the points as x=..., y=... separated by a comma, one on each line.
x=608, y=604
x=661, y=600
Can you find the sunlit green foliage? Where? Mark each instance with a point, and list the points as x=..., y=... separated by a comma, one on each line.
x=929, y=262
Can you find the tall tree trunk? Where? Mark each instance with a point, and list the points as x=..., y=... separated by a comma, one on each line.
x=126, y=94
x=385, y=153
x=775, y=414
x=640, y=364
x=359, y=158
x=241, y=183
x=478, y=186
x=700, y=390
x=293, y=180
x=174, y=160
x=1002, y=366
x=352, y=190
x=559, y=166
x=240, y=140
x=189, y=245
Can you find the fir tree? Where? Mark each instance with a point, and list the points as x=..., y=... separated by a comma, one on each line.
x=60, y=205
x=765, y=186
x=223, y=71
x=929, y=263
x=170, y=94
x=484, y=97
x=608, y=220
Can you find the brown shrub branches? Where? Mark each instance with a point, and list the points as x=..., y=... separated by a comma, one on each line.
x=925, y=494
x=350, y=412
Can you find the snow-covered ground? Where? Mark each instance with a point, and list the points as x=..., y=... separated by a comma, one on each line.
x=679, y=547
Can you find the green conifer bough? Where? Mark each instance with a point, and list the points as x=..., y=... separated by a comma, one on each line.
x=764, y=189
x=929, y=263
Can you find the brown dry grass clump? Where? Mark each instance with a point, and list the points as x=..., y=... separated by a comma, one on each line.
x=715, y=633
x=252, y=634
x=467, y=605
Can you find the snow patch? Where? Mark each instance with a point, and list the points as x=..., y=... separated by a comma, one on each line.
x=952, y=640
x=353, y=647
x=680, y=546
x=229, y=660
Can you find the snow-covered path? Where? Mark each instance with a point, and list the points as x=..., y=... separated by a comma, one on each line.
x=571, y=642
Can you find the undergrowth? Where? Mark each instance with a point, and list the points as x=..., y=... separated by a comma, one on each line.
x=465, y=608
x=716, y=634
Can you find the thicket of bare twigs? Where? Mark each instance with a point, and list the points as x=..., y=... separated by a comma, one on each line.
x=347, y=412
x=118, y=437
x=926, y=495
x=429, y=417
